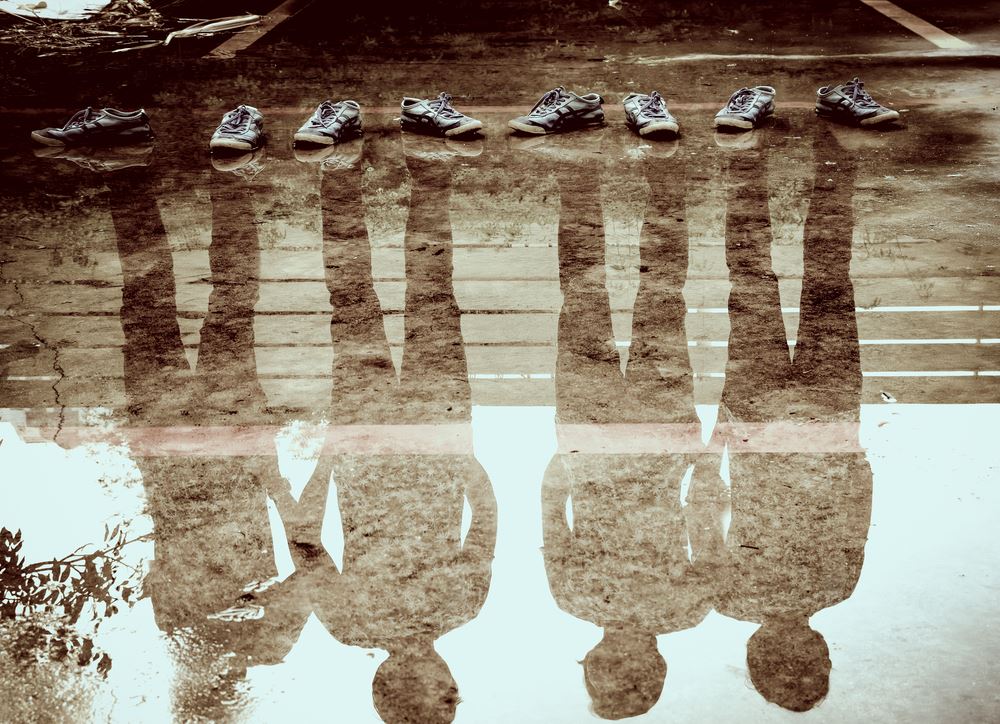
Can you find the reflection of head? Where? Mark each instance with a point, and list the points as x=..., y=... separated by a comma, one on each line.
x=415, y=686
x=624, y=674
x=789, y=664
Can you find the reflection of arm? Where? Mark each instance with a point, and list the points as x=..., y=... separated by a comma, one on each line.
x=303, y=519
x=480, y=543
x=287, y=606
x=556, y=534
x=706, y=506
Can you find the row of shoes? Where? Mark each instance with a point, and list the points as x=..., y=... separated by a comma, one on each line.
x=557, y=111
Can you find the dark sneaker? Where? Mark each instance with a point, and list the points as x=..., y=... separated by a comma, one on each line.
x=435, y=117
x=746, y=108
x=648, y=114
x=850, y=103
x=97, y=128
x=247, y=165
x=242, y=129
x=336, y=156
x=559, y=110
x=101, y=159
x=331, y=123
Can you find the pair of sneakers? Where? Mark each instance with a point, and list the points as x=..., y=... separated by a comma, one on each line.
x=242, y=129
x=746, y=108
x=556, y=111
x=847, y=103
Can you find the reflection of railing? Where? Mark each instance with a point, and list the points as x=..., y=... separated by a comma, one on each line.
x=928, y=320
x=942, y=353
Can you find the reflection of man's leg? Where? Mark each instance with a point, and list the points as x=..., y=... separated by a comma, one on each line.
x=363, y=375
x=827, y=356
x=759, y=363
x=659, y=367
x=434, y=372
x=227, y=366
x=589, y=383
x=153, y=351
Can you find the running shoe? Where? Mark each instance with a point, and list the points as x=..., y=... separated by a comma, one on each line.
x=850, y=103
x=331, y=123
x=746, y=108
x=435, y=117
x=648, y=114
x=95, y=128
x=242, y=129
x=560, y=110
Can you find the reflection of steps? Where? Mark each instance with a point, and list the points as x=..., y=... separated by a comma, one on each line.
x=908, y=290
x=511, y=357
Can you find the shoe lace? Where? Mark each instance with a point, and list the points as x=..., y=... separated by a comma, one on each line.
x=741, y=100
x=857, y=93
x=236, y=120
x=550, y=99
x=442, y=106
x=329, y=111
x=653, y=105
x=80, y=117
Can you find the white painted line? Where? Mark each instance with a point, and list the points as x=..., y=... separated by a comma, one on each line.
x=921, y=373
x=924, y=29
x=243, y=40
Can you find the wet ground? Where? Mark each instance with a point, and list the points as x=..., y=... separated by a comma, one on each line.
x=506, y=429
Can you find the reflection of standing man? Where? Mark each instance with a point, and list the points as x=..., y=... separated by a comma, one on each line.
x=800, y=508
x=624, y=564
x=211, y=532
x=408, y=577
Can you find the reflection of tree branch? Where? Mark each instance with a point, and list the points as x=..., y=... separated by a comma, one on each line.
x=31, y=595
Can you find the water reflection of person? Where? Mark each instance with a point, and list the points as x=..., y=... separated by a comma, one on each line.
x=624, y=563
x=210, y=523
x=800, y=509
x=408, y=577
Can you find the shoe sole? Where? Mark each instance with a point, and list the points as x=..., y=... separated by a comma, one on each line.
x=125, y=138
x=313, y=138
x=232, y=144
x=539, y=131
x=662, y=127
x=45, y=140
x=467, y=128
x=405, y=124
x=740, y=123
x=321, y=140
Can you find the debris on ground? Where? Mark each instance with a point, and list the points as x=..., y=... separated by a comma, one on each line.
x=211, y=27
x=118, y=26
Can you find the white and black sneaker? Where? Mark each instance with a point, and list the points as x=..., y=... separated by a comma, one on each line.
x=746, y=108
x=850, y=103
x=648, y=115
x=331, y=123
x=435, y=117
x=560, y=110
x=242, y=129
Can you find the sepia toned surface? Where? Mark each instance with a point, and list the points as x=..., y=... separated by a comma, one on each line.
x=536, y=429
